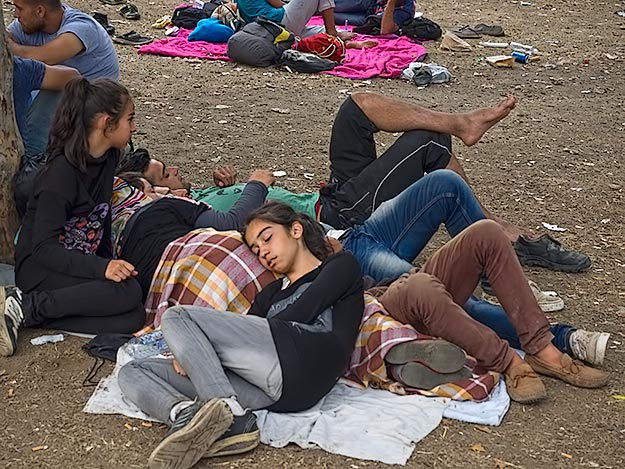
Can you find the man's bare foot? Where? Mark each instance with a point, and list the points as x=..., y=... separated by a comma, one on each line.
x=473, y=125
x=361, y=44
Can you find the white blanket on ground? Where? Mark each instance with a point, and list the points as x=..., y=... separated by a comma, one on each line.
x=361, y=423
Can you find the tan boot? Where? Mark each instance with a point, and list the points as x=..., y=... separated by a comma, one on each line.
x=570, y=371
x=524, y=385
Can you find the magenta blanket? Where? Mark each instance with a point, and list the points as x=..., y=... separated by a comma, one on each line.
x=387, y=60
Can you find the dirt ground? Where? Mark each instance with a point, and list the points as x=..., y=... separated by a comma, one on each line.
x=556, y=159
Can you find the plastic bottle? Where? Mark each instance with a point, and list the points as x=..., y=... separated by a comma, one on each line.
x=498, y=45
x=526, y=49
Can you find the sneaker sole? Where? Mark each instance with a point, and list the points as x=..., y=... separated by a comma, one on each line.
x=235, y=445
x=417, y=375
x=531, y=261
x=544, y=306
x=188, y=445
x=6, y=345
x=439, y=355
x=527, y=399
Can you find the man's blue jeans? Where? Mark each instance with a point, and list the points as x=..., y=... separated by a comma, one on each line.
x=398, y=230
x=39, y=120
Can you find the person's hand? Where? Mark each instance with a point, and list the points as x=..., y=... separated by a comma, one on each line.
x=118, y=270
x=264, y=176
x=335, y=244
x=161, y=190
x=178, y=369
x=225, y=176
x=10, y=42
x=180, y=192
x=346, y=35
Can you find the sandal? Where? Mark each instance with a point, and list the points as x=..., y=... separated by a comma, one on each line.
x=130, y=12
x=113, y=2
x=162, y=22
x=467, y=32
x=132, y=38
x=103, y=20
x=489, y=29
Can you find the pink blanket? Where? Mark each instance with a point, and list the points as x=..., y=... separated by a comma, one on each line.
x=387, y=60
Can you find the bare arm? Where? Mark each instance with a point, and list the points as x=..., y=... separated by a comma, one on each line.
x=388, y=25
x=276, y=3
x=56, y=76
x=58, y=50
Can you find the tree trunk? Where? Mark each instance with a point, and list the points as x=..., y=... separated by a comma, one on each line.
x=10, y=150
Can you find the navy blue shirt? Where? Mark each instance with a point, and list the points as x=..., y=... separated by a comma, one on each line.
x=27, y=77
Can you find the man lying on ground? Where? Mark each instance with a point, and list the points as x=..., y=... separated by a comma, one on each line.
x=360, y=181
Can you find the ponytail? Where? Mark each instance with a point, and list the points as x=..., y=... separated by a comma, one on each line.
x=281, y=214
x=82, y=102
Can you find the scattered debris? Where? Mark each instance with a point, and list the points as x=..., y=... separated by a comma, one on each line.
x=478, y=448
x=39, y=448
x=279, y=174
x=553, y=227
x=280, y=110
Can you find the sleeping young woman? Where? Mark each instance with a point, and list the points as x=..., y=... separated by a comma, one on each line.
x=284, y=355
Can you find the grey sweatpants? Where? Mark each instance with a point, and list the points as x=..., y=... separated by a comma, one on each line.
x=299, y=12
x=224, y=355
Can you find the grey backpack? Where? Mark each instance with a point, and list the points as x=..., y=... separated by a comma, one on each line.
x=259, y=43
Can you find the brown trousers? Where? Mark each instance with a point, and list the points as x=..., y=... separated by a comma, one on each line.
x=430, y=299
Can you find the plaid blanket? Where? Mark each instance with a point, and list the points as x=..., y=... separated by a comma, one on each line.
x=216, y=269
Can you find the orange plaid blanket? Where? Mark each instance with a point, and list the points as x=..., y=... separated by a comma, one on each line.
x=215, y=269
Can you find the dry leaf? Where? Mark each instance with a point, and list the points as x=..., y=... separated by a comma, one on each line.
x=128, y=426
x=11, y=392
x=483, y=429
x=146, y=424
x=478, y=448
x=566, y=455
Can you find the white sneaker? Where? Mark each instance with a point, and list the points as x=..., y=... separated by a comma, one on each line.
x=548, y=301
x=588, y=346
x=11, y=320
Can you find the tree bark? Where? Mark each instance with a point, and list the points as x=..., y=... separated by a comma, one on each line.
x=11, y=149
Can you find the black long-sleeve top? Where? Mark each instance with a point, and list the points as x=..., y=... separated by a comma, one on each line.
x=152, y=228
x=314, y=323
x=67, y=226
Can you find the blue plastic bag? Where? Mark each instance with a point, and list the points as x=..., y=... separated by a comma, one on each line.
x=211, y=30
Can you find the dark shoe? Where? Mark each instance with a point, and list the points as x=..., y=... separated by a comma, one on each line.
x=132, y=38
x=130, y=12
x=547, y=252
x=489, y=29
x=437, y=354
x=191, y=436
x=11, y=320
x=422, y=76
x=467, y=32
x=242, y=436
x=104, y=22
x=417, y=375
x=570, y=371
x=524, y=385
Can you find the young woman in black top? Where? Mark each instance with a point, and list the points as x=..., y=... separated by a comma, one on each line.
x=64, y=268
x=284, y=355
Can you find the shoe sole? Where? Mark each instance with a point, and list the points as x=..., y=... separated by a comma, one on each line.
x=6, y=345
x=533, y=399
x=532, y=261
x=187, y=446
x=235, y=445
x=439, y=355
x=417, y=375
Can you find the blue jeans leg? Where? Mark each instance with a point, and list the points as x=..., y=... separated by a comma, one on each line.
x=39, y=120
x=398, y=230
x=495, y=318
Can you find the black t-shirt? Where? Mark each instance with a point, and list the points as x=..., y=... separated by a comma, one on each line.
x=314, y=323
x=67, y=226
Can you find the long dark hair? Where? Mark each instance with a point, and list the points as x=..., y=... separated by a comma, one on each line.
x=281, y=214
x=81, y=103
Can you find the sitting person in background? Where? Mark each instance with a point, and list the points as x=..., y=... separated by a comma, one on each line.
x=28, y=76
x=284, y=355
x=53, y=33
x=394, y=14
x=294, y=15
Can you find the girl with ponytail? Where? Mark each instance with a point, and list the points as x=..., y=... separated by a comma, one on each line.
x=284, y=355
x=65, y=272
